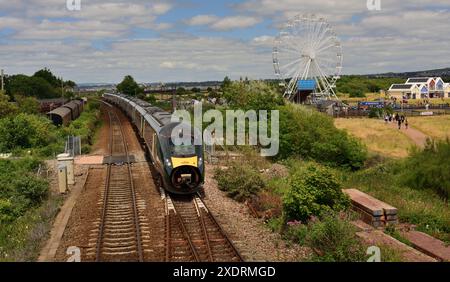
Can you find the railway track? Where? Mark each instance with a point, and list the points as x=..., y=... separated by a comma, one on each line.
x=119, y=233
x=193, y=234
x=122, y=232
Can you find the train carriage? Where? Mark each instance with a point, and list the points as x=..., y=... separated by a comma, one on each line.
x=180, y=168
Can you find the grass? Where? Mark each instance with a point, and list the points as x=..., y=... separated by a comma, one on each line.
x=437, y=127
x=379, y=137
x=22, y=239
x=423, y=208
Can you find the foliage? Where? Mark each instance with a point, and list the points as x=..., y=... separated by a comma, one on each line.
x=181, y=91
x=421, y=207
x=85, y=125
x=48, y=76
x=22, y=239
x=429, y=168
x=253, y=95
x=28, y=105
x=150, y=98
x=334, y=240
x=239, y=181
x=7, y=108
x=20, y=189
x=314, y=190
x=312, y=135
x=129, y=86
x=25, y=131
x=31, y=86
x=375, y=113
x=357, y=86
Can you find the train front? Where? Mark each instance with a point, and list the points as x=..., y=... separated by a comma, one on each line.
x=184, y=168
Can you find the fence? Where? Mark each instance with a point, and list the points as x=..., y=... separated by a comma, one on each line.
x=73, y=146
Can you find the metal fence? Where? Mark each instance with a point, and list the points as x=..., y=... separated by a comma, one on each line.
x=73, y=146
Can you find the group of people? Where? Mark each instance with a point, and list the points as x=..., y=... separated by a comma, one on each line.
x=397, y=119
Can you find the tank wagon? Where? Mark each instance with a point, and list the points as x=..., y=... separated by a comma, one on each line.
x=180, y=168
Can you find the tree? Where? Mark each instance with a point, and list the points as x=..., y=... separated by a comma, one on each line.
x=7, y=108
x=150, y=98
x=31, y=86
x=48, y=76
x=226, y=82
x=129, y=86
x=70, y=84
x=28, y=105
x=181, y=91
x=255, y=95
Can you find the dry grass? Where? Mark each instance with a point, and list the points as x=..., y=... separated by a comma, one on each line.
x=437, y=127
x=379, y=137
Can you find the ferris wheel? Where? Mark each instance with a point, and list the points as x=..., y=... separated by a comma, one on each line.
x=308, y=54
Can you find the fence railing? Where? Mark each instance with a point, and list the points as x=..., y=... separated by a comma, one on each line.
x=73, y=146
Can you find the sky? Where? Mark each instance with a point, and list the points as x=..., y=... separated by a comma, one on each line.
x=193, y=40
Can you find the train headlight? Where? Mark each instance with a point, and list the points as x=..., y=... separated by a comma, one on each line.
x=168, y=163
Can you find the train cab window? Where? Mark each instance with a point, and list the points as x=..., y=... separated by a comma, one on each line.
x=181, y=150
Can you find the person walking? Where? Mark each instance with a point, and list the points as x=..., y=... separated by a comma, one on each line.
x=399, y=121
x=386, y=119
x=406, y=123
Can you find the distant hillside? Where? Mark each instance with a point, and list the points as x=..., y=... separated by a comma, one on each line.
x=437, y=72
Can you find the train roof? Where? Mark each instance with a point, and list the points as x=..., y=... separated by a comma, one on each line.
x=61, y=111
x=161, y=117
x=72, y=105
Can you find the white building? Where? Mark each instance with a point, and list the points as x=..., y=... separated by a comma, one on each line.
x=420, y=88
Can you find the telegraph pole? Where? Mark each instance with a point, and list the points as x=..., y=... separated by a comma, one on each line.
x=3, y=82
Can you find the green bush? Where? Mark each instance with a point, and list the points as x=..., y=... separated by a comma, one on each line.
x=334, y=240
x=314, y=190
x=239, y=181
x=429, y=168
x=26, y=131
x=312, y=135
x=252, y=95
x=20, y=188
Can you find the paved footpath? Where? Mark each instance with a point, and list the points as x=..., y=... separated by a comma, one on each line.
x=418, y=137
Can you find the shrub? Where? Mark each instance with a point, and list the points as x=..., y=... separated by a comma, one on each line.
x=20, y=189
x=25, y=131
x=314, y=190
x=428, y=169
x=296, y=233
x=239, y=181
x=334, y=240
x=7, y=212
x=312, y=135
x=253, y=95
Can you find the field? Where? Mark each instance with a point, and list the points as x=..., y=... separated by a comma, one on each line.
x=379, y=137
x=437, y=127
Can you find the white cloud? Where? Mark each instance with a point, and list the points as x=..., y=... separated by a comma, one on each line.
x=202, y=20
x=228, y=23
x=225, y=23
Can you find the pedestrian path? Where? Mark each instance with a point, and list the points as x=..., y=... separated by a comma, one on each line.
x=418, y=137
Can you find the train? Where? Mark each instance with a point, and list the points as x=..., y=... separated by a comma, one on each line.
x=180, y=168
x=68, y=112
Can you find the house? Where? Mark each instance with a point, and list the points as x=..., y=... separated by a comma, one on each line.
x=404, y=91
x=447, y=90
x=419, y=88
